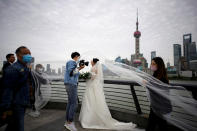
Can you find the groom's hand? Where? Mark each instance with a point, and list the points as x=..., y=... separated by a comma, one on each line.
x=81, y=67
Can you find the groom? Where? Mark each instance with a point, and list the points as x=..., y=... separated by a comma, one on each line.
x=71, y=82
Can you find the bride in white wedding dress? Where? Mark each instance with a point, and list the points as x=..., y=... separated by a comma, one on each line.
x=94, y=112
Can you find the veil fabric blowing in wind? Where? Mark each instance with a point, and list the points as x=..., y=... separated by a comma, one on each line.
x=42, y=89
x=165, y=100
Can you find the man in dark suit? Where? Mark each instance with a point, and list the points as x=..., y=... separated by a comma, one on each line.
x=10, y=60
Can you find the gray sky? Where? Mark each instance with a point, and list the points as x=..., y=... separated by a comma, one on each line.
x=52, y=29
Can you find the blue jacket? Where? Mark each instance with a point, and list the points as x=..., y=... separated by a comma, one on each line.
x=71, y=66
x=16, y=88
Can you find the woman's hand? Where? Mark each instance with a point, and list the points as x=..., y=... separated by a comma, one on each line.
x=144, y=82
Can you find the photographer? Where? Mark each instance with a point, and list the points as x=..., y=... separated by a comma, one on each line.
x=71, y=82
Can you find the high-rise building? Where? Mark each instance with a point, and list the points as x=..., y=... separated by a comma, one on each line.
x=177, y=54
x=48, y=70
x=53, y=72
x=189, y=49
x=193, y=53
x=193, y=65
x=168, y=64
x=63, y=70
x=183, y=65
x=59, y=71
x=153, y=54
x=187, y=40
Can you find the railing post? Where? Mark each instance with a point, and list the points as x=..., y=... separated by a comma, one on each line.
x=137, y=105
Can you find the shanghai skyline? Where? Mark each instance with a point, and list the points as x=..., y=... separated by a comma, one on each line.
x=52, y=30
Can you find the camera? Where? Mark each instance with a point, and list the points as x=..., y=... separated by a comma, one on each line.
x=83, y=63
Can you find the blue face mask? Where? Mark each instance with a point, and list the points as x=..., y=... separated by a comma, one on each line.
x=27, y=58
x=78, y=60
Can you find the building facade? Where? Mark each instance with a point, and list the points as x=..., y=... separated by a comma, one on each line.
x=193, y=53
x=153, y=54
x=177, y=54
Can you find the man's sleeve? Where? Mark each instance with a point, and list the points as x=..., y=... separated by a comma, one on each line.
x=9, y=83
x=72, y=67
x=5, y=66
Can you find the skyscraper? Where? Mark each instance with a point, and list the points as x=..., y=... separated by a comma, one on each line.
x=48, y=69
x=189, y=49
x=59, y=71
x=63, y=70
x=193, y=53
x=153, y=54
x=53, y=72
x=168, y=64
x=177, y=54
x=187, y=40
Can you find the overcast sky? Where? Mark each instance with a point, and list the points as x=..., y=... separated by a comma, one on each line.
x=52, y=29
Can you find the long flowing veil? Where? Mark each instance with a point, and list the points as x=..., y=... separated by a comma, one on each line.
x=42, y=89
x=171, y=94
x=98, y=67
x=165, y=99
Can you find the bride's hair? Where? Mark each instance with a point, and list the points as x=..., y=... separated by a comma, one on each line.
x=95, y=60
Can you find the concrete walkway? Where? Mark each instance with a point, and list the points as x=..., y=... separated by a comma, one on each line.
x=49, y=120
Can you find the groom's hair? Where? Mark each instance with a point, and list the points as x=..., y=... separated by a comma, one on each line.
x=74, y=54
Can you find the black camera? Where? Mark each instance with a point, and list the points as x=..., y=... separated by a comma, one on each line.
x=83, y=63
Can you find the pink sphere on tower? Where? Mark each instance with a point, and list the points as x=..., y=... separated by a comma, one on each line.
x=137, y=34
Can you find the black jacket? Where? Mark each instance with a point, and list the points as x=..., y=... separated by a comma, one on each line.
x=7, y=64
x=159, y=103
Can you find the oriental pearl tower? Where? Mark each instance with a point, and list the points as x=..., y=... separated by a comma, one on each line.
x=137, y=59
x=137, y=35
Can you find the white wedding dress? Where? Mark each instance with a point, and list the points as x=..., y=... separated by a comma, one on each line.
x=94, y=112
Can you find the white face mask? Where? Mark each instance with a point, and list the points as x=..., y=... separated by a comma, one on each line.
x=40, y=70
x=153, y=68
x=78, y=60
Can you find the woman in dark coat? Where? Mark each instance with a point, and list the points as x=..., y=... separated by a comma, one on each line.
x=158, y=102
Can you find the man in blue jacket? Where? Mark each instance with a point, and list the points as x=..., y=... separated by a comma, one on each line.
x=71, y=82
x=18, y=88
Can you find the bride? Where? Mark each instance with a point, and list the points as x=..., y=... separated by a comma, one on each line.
x=94, y=112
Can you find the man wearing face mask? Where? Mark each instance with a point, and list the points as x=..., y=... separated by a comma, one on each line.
x=71, y=82
x=18, y=89
x=38, y=79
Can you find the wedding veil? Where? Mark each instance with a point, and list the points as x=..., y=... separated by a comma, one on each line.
x=167, y=101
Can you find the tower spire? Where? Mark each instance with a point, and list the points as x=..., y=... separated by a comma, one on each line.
x=137, y=21
x=137, y=35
